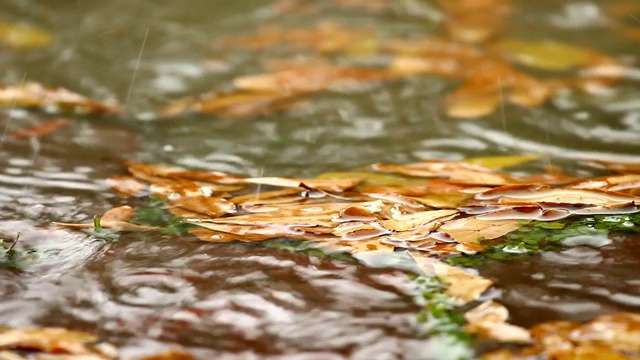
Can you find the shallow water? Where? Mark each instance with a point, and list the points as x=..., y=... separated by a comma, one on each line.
x=247, y=302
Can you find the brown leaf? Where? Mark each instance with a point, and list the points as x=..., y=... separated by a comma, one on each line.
x=126, y=186
x=47, y=340
x=489, y=320
x=454, y=172
x=472, y=229
x=312, y=79
x=34, y=95
x=463, y=287
x=335, y=185
x=41, y=130
x=116, y=219
x=324, y=37
x=208, y=206
x=119, y=214
x=230, y=104
x=539, y=194
x=175, y=354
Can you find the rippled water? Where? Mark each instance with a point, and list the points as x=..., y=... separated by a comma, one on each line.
x=246, y=302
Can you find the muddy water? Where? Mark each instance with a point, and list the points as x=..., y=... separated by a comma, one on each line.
x=242, y=302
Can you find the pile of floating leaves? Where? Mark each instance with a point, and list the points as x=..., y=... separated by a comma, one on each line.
x=432, y=209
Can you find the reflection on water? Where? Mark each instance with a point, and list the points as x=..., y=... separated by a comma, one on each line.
x=233, y=302
x=227, y=299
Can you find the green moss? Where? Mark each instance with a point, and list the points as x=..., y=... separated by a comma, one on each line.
x=537, y=236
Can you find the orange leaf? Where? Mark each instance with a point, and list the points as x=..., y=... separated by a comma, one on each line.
x=41, y=130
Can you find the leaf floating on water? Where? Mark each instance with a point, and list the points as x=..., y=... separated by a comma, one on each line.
x=472, y=230
x=41, y=130
x=548, y=55
x=463, y=287
x=455, y=172
x=500, y=162
x=324, y=37
x=20, y=36
x=126, y=186
x=475, y=21
x=65, y=344
x=116, y=219
x=312, y=79
x=230, y=104
x=175, y=354
x=34, y=95
x=334, y=185
x=489, y=320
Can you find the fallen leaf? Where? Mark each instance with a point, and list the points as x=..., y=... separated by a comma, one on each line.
x=47, y=340
x=310, y=80
x=455, y=172
x=126, y=186
x=463, y=287
x=41, y=130
x=324, y=37
x=548, y=55
x=231, y=104
x=500, y=162
x=526, y=194
x=489, y=320
x=175, y=354
x=473, y=229
x=204, y=205
x=21, y=36
x=116, y=219
x=333, y=185
x=34, y=95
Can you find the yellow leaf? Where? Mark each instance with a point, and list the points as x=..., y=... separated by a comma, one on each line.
x=463, y=287
x=23, y=37
x=470, y=230
x=499, y=162
x=489, y=320
x=548, y=55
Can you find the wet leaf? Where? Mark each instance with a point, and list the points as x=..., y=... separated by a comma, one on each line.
x=207, y=206
x=333, y=185
x=176, y=354
x=312, y=79
x=499, y=162
x=47, y=340
x=34, y=95
x=463, y=287
x=540, y=194
x=324, y=37
x=232, y=104
x=41, y=130
x=548, y=55
x=126, y=186
x=21, y=36
x=489, y=320
x=116, y=219
x=472, y=230
x=455, y=172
